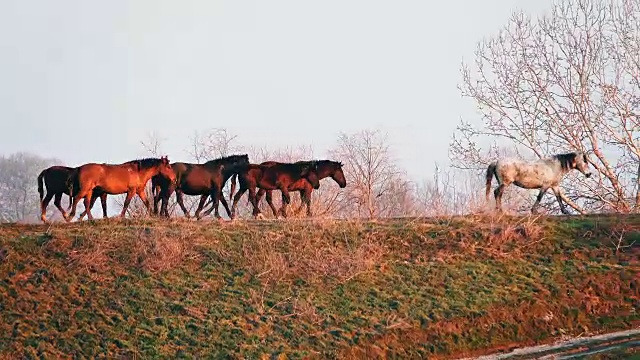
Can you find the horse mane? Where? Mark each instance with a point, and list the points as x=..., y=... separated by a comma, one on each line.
x=566, y=160
x=145, y=163
x=320, y=162
x=227, y=159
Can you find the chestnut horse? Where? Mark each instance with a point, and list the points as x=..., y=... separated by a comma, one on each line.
x=206, y=180
x=130, y=177
x=57, y=180
x=279, y=176
x=325, y=168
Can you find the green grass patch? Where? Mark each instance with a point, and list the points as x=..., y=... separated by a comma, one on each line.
x=342, y=289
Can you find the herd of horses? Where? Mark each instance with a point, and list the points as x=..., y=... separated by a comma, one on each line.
x=92, y=181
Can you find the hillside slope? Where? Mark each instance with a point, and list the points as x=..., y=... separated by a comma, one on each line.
x=412, y=288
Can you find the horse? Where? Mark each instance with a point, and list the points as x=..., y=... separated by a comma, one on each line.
x=57, y=181
x=325, y=168
x=543, y=174
x=279, y=176
x=205, y=180
x=130, y=177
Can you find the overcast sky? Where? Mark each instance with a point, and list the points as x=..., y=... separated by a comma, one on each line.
x=85, y=81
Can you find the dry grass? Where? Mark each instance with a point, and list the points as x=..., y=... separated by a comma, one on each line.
x=320, y=288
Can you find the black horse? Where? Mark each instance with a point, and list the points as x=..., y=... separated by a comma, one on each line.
x=206, y=179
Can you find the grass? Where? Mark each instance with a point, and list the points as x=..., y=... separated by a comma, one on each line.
x=412, y=288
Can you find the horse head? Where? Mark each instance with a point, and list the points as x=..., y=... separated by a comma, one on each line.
x=581, y=163
x=574, y=161
x=337, y=174
x=165, y=169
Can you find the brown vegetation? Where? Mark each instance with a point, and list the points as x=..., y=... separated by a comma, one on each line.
x=408, y=287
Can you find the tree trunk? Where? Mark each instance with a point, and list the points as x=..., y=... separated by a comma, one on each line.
x=637, y=203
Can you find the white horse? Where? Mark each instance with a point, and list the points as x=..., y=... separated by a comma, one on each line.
x=543, y=174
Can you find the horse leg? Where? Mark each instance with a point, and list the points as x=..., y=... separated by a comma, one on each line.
x=88, y=203
x=534, y=208
x=156, y=199
x=236, y=198
x=216, y=195
x=286, y=200
x=269, y=197
x=127, y=200
x=165, y=200
x=57, y=201
x=305, y=196
x=497, y=193
x=305, y=199
x=76, y=199
x=163, y=197
x=93, y=201
x=143, y=196
x=254, y=201
x=180, y=201
x=259, y=195
x=224, y=203
x=558, y=192
x=84, y=212
x=44, y=204
x=203, y=199
x=103, y=202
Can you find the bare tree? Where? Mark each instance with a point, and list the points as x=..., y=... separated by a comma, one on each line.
x=566, y=81
x=374, y=180
x=212, y=144
x=438, y=196
x=19, y=198
x=153, y=144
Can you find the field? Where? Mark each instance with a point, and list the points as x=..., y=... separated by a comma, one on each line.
x=410, y=288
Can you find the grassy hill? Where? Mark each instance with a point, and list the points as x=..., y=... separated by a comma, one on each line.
x=436, y=288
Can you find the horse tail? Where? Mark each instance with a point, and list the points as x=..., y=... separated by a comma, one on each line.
x=41, y=185
x=233, y=186
x=71, y=185
x=491, y=172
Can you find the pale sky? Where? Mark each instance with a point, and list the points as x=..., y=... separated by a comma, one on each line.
x=85, y=81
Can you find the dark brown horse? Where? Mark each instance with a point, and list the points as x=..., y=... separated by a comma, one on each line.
x=279, y=176
x=130, y=177
x=206, y=180
x=57, y=180
x=325, y=168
